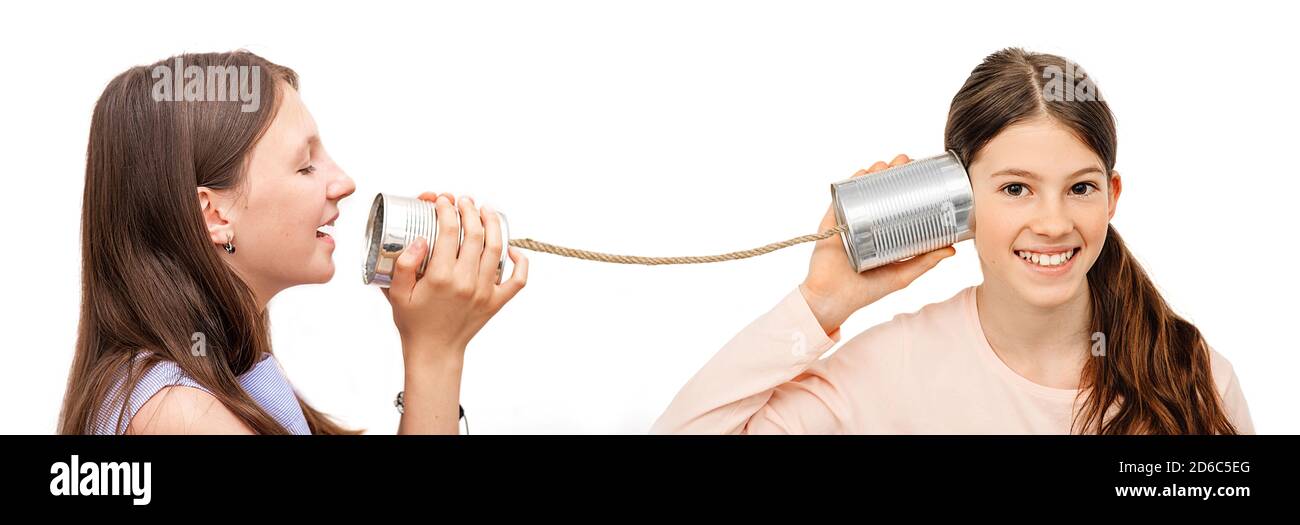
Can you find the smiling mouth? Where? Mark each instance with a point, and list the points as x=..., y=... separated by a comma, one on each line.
x=1048, y=260
x=325, y=231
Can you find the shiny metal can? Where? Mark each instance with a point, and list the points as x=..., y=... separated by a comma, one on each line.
x=395, y=222
x=904, y=211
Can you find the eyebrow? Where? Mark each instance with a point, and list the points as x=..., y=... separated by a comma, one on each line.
x=1017, y=172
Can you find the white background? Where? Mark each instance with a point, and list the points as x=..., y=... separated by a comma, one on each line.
x=660, y=128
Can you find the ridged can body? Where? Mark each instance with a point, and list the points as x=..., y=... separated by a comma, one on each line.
x=904, y=211
x=395, y=222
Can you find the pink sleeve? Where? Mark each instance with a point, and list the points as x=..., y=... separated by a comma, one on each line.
x=1230, y=394
x=761, y=382
x=1234, y=405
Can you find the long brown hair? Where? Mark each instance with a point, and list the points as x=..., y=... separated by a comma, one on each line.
x=150, y=274
x=1155, y=377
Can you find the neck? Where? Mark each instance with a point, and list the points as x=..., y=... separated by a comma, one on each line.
x=262, y=291
x=262, y=300
x=1048, y=345
x=262, y=294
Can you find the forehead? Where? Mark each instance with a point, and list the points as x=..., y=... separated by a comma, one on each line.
x=1040, y=145
x=292, y=125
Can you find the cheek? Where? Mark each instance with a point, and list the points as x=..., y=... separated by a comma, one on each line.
x=1092, y=221
x=1094, y=234
x=284, y=212
x=996, y=227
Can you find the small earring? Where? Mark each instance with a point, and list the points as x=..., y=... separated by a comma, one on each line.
x=229, y=246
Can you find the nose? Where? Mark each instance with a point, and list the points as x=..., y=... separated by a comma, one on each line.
x=1050, y=219
x=341, y=186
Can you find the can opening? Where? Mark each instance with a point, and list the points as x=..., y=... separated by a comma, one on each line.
x=374, y=231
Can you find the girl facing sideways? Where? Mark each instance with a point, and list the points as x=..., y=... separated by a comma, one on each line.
x=195, y=214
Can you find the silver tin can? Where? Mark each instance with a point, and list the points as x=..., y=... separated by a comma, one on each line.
x=904, y=211
x=395, y=222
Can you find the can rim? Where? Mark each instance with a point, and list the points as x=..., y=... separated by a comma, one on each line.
x=372, y=251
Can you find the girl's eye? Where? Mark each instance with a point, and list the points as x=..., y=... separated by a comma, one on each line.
x=1082, y=188
x=308, y=170
x=1014, y=190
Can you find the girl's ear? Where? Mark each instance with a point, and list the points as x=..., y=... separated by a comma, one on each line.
x=220, y=230
x=1115, y=185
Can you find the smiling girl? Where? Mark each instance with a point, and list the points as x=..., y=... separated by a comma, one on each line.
x=1066, y=334
x=197, y=213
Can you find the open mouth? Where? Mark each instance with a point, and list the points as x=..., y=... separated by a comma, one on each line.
x=1048, y=260
x=326, y=231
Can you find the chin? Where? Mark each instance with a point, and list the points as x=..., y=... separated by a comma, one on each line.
x=1049, y=296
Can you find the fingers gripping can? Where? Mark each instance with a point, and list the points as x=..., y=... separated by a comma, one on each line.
x=904, y=211
x=395, y=222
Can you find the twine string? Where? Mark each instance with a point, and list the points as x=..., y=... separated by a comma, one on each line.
x=538, y=246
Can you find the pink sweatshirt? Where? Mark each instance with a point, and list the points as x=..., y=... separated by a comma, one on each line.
x=928, y=372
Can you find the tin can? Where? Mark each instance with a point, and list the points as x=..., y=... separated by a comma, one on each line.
x=904, y=211
x=395, y=222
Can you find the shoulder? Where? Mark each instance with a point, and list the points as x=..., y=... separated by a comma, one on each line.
x=181, y=409
x=947, y=318
x=1225, y=376
x=907, y=336
x=1228, y=386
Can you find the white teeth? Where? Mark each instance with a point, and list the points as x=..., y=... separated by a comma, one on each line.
x=1043, y=259
x=327, y=229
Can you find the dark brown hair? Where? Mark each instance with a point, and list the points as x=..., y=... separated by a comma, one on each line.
x=150, y=274
x=1156, y=376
